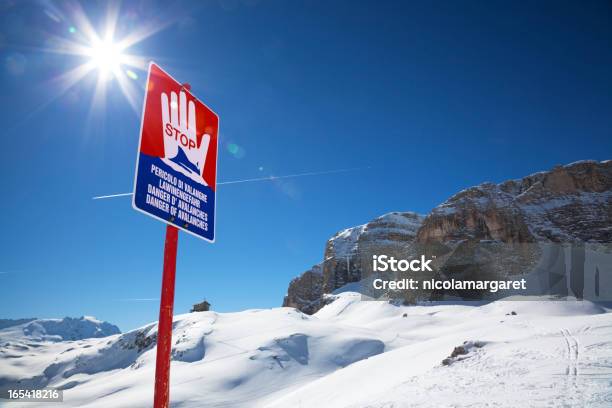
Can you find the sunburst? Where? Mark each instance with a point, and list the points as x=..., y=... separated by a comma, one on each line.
x=103, y=52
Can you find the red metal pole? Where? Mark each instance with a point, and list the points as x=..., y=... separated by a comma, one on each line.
x=164, y=328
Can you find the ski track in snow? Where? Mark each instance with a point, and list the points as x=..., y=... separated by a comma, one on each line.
x=572, y=356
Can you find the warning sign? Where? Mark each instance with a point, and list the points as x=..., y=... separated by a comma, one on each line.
x=176, y=165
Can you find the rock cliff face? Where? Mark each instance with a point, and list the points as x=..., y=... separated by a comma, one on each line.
x=348, y=254
x=347, y=258
x=306, y=291
x=568, y=204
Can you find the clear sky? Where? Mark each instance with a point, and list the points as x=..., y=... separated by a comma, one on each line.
x=433, y=96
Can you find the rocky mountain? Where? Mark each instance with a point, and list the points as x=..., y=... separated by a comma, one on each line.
x=566, y=204
x=347, y=258
x=569, y=204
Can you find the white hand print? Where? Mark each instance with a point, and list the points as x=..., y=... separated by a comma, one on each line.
x=181, y=149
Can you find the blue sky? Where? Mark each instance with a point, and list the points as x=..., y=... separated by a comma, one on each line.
x=432, y=96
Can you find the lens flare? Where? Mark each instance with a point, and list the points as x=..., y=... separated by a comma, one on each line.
x=237, y=151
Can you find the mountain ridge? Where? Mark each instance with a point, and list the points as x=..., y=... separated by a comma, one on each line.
x=54, y=330
x=566, y=204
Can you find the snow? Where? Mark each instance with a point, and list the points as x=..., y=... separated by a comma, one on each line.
x=352, y=353
x=445, y=209
x=345, y=241
x=407, y=219
x=538, y=213
x=67, y=328
x=549, y=353
x=579, y=162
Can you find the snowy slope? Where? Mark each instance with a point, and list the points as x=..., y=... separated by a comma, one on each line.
x=352, y=353
x=549, y=354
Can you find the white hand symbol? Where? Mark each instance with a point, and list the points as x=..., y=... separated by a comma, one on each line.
x=180, y=134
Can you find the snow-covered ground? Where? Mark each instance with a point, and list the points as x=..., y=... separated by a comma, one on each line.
x=351, y=353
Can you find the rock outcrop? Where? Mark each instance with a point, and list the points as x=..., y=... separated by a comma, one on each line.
x=347, y=258
x=568, y=204
x=348, y=254
x=306, y=291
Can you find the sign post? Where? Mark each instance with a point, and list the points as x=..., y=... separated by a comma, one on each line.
x=175, y=182
x=164, y=327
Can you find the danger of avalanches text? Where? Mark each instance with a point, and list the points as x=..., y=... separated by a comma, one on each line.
x=177, y=198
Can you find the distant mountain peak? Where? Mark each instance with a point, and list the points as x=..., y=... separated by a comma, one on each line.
x=66, y=329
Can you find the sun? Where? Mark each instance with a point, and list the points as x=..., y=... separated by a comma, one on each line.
x=107, y=57
x=106, y=53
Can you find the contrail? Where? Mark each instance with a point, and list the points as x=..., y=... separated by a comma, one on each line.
x=268, y=178
x=312, y=173
x=112, y=196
